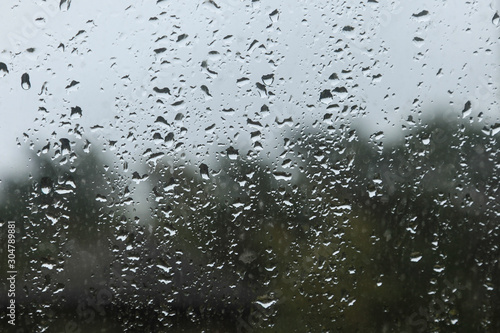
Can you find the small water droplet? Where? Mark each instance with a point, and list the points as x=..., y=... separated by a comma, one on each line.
x=333, y=77
x=418, y=41
x=495, y=129
x=205, y=90
x=157, y=138
x=101, y=198
x=25, y=81
x=204, y=171
x=262, y=89
x=377, y=136
x=169, y=139
x=76, y=112
x=326, y=96
x=64, y=5
x=467, y=109
x=3, y=69
x=274, y=15
x=65, y=146
x=232, y=153
x=46, y=185
x=415, y=257
x=268, y=79
x=496, y=19
x=264, y=109
x=73, y=85
x=281, y=175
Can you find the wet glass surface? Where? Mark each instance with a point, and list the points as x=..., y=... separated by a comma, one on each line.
x=249, y=166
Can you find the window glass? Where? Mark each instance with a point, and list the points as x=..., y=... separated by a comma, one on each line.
x=249, y=166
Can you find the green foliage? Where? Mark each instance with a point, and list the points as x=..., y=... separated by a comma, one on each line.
x=345, y=235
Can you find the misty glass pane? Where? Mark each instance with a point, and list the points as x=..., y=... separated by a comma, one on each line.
x=249, y=166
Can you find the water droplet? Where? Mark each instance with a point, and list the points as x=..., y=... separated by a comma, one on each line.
x=438, y=268
x=157, y=138
x=333, y=77
x=496, y=19
x=137, y=178
x=341, y=92
x=3, y=69
x=76, y=112
x=242, y=81
x=262, y=89
x=210, y=128
x=326, y=96
x=418, y=41
x=268, y=79
x=281, y=175
x=65, y=146
x=46, y=185
x=64, y=5
x=264, y=109
x=205, y=90
x=73, y=85
x=162, y=121
x=422, y=13
x=204, y=171
x=426, y=140
x=163, y=90
x=421, y=16
x=181, y=37
x=415, y=257
x=377, y=136
x=169, y=139
x=495, y=129
x=274, y=16
x=232, y=153
x=25, y=81
x=467, y=109
x=101, y=198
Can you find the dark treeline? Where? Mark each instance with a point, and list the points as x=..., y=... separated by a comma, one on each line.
x=338, y=234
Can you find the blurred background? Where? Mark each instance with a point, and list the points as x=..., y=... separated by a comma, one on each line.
x=251, y=166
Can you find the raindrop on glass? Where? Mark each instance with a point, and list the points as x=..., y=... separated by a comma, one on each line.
x=268, y=79
x=232, y=153
x=46, y=185
x=76, y=112
x=326, y=96
x=204, y=171
x=65, y=146
x=3, y=69
x=25, y=81
x=496, y=19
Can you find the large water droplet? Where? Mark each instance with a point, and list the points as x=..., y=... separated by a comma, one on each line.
x=25, y=81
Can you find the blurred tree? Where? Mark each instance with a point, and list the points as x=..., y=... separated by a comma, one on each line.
x=339, y=234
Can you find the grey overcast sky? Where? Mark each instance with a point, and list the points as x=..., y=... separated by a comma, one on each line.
x=395, y=59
